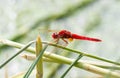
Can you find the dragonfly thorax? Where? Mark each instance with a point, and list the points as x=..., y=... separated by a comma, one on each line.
x=62, y=34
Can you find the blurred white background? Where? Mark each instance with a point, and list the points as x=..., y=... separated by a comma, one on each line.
x=100, y=19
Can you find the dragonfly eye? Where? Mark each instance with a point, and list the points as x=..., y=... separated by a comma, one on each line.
x=55, y=35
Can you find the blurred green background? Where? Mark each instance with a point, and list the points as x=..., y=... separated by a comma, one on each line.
x=22, y=21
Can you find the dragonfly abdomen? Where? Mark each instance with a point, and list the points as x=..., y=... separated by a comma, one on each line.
x=75, y=36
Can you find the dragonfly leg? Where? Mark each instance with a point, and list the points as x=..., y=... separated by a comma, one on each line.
x=56, y=41
x=65, y=40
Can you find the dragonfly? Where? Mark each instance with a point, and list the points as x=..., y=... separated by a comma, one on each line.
x=67, y=35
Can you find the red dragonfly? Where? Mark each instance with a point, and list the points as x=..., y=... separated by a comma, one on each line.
x=65, y=34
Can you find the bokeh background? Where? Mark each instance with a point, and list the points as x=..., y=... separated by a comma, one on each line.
x=23, y=20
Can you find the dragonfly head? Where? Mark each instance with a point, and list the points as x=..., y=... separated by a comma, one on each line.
x=55, y=35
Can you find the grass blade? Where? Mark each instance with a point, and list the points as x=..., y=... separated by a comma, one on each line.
x=20, y=51
x=80, y=56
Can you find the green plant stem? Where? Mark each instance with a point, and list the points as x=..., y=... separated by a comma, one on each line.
x=61, y=59
x=84, y=54
x=15, y=44
x=85, y=66
x=20, y=51
x=35, y=62
x=80, y=56
x=31, y=50
x=98, y=64
x=80, y=64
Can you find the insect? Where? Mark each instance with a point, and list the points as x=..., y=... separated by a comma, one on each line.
x=65, y=34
